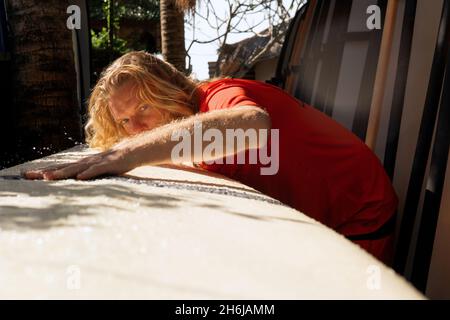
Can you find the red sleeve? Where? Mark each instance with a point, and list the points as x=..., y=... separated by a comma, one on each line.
x=224, y=97
x=228, y=97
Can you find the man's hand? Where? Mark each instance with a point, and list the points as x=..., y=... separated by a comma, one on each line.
x=108, y=162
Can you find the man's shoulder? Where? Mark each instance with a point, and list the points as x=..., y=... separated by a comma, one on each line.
x=227, y=82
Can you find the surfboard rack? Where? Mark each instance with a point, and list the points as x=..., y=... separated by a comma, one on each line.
x=330, y=60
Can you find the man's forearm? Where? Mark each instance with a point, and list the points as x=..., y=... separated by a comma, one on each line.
x=155, y=146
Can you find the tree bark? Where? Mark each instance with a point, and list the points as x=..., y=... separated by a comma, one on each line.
x=46, y=111
x=172, y=34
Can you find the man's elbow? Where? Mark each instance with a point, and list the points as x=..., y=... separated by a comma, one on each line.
x=259, y=118
x=264, y=119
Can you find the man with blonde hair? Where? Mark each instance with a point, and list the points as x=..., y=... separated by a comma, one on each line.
x=325, y=171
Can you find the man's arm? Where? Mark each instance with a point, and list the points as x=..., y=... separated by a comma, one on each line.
x=155, y=146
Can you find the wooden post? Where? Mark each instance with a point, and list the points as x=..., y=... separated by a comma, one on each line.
x=381, y=75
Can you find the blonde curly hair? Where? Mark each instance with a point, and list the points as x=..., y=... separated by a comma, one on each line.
x=158, y=84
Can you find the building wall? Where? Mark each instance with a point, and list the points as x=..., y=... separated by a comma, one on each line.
x=265, y=70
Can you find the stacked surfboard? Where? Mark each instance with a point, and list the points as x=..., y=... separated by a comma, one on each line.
x=172, y=233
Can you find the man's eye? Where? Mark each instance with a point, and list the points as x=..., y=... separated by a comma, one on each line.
x=144, y=107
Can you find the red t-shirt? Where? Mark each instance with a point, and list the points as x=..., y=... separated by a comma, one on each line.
x=325, y=171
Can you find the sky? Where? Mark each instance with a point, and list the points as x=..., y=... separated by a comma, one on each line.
x=201, y=54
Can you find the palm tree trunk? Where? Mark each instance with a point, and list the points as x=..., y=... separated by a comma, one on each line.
x=172, y=34
x=46, y=111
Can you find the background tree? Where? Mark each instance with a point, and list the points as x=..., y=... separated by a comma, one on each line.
x=171, y=15
x=172, y=31
x=46, y=115
x=237, y=19
x=106, y=24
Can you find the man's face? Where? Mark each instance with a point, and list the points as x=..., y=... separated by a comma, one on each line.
x=132, y=114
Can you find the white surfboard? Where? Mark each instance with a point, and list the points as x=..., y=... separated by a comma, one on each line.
x=172, y=233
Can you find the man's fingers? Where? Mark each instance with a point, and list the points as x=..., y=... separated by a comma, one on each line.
x=32, y=174
x=39, y=173
x=66, y=172
x=92, y=171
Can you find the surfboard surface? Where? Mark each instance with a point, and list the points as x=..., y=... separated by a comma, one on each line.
x=172, y=233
